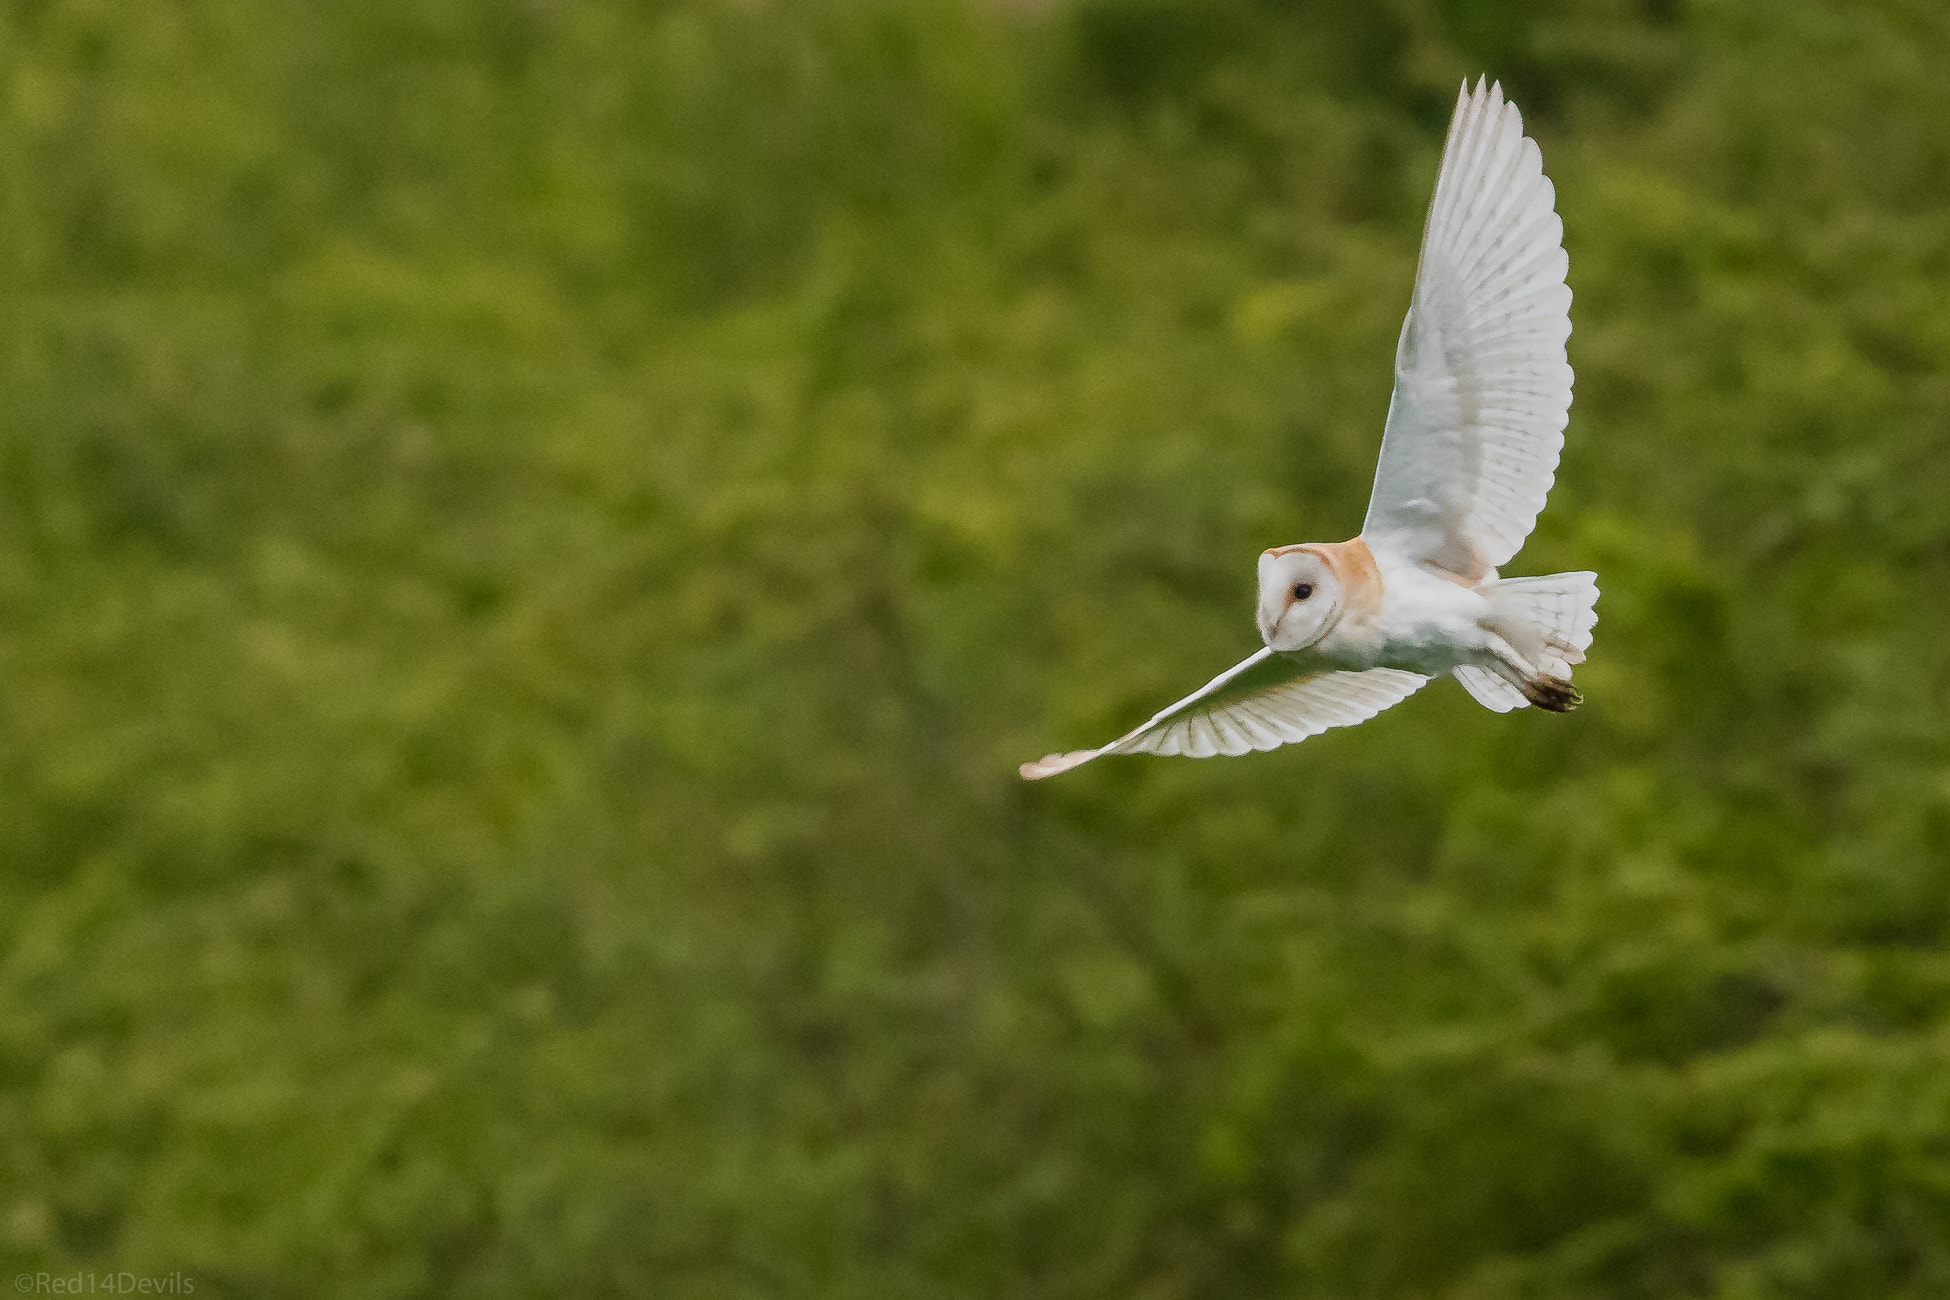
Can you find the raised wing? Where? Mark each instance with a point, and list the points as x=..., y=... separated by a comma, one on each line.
x=1262, y=703
x=1482, y=388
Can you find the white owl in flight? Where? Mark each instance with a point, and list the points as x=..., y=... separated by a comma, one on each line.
x=1482, y=391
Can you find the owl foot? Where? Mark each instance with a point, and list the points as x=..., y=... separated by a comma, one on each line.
x=1552, y=693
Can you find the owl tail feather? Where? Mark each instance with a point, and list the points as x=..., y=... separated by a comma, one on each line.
x=1549, y=621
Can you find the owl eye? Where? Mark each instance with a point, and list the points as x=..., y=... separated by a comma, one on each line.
x=1303, y=591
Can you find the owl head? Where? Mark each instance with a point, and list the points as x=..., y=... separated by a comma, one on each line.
x=1300, y=597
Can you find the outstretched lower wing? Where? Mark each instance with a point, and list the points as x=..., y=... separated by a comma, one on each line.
x=1482, y=387
x=1262, y=703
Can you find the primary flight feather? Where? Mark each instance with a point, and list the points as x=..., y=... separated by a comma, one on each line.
x=1482, y=392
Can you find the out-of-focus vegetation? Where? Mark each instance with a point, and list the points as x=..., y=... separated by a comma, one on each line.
x=534, y=533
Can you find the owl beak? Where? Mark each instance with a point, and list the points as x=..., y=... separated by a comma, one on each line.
x=1269, y=622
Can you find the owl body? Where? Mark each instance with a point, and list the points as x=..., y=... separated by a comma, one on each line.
x=1431, y=623
x=1395, y=613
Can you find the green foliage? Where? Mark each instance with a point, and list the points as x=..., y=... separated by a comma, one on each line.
x=534, y=535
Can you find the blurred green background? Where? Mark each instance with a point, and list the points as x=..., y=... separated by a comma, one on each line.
x=534, y=534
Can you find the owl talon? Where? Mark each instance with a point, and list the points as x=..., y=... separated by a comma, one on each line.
x=1552, y=693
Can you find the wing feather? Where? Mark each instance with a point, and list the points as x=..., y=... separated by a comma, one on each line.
x=1262, y=703
x=1482, y=385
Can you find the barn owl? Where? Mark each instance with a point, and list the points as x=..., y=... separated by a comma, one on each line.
x=1482, y=391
